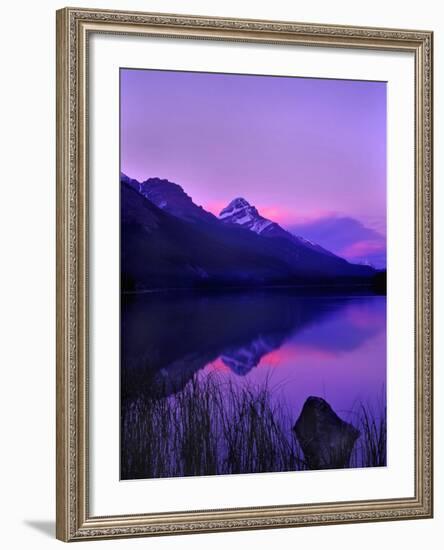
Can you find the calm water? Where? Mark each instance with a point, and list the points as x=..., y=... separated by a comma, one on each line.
x=331, y=346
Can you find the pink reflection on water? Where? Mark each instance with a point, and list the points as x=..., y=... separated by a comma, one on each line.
x=341, y=358
x=364, y=317
x=217, y=366
x=293, y=353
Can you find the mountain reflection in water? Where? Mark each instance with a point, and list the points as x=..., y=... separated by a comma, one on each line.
x=296, y=346
x=321, y=344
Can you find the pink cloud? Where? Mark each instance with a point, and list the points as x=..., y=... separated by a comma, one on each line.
x=215, y=207
x=363, y=248
x=275, y=213
x=289, y=217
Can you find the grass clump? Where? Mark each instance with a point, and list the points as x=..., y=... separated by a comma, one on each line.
x=213, y=426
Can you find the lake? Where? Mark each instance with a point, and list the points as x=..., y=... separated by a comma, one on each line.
x=292, y=342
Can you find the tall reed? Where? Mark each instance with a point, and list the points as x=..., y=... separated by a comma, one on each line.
x=213, y=426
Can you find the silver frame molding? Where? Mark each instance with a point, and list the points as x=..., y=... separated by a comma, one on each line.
x=74, y=521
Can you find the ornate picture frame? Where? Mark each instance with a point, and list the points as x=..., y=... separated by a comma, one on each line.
x=74, y=518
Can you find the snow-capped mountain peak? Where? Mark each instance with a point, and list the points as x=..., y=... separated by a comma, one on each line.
x=236, y=204
x=241, y=212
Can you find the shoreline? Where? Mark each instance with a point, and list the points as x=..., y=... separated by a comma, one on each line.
x=327, y=288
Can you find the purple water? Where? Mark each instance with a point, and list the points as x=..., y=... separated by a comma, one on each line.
x=300, y=344
x=341, y=358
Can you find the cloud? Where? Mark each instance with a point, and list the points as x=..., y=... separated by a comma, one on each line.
x=345, y=236
x=364, y=248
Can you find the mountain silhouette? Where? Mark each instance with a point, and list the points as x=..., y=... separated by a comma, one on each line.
x=167, y=241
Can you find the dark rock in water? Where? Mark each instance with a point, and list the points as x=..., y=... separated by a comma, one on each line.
x=326, y=440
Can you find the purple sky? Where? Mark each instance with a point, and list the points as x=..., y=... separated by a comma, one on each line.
x=303, y=151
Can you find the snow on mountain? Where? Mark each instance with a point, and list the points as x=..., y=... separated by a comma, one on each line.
x=241, y=212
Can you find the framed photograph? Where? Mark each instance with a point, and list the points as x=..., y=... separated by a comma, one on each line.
x=244, y=274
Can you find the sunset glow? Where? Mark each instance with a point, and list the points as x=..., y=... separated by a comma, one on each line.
x=298, y=149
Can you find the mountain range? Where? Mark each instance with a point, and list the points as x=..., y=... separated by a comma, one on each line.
x=168, y=241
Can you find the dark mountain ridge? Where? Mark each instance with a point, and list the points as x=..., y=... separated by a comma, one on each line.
x=170, y=196
x=169, y=242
